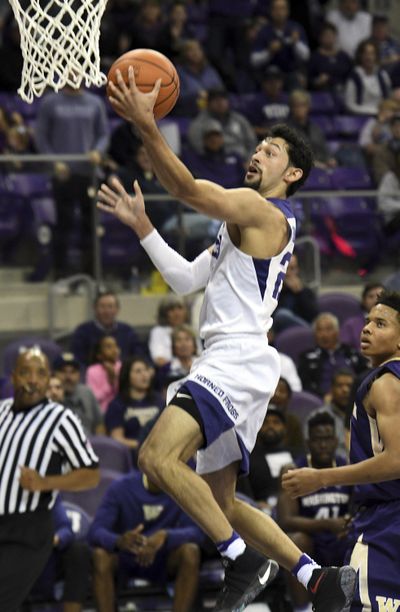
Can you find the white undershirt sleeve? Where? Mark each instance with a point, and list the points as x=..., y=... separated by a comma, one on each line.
x=182, y=276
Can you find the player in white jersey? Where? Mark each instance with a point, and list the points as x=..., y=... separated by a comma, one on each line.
x=218, y=409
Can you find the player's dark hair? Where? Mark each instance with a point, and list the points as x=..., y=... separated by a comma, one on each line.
x=299, y=152
x=391, y=299
x=320, y=417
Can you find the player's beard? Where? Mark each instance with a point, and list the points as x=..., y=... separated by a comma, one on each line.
x=253, y=184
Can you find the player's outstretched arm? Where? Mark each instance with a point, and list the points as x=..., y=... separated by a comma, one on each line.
x=384, y=399
x=182, y=276
x=244, y=207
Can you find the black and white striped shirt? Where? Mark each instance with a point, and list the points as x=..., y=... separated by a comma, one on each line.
x=47, y=438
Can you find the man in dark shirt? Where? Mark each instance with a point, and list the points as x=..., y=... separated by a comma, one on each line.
x=87, y=335
x=141, y=530
x=317, y=365
x=270, y=454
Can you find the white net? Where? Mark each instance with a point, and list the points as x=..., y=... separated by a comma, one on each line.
x=59, y=43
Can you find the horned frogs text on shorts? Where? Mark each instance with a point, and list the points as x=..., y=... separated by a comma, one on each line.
x=234, y=378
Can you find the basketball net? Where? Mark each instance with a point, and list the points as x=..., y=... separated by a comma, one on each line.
x=59, y=43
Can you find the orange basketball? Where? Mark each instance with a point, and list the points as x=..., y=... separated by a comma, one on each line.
x=150, y=65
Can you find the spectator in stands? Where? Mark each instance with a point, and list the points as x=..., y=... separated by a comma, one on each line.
x=145, y=30
x=175, y=31
x=11, y=60
x=142, y=533
x=184, y=351
x=317, y=522
x=77, y=396
x=328, y=67
x=85, y=337
x=299, y=118
x=270, y=105
x=140, y=168
x=70, y=562
x=56, y=391
x=386, y=166
x=267, y=459
x=282, y=42
x=368, y=84
x=352, y=24
x=288, y=367
x=376, y=130
x=215, y=163
x=73, y=121
x=388, y=46
x=317, y=365
x=239, y=136
x=102, y=376
x=294, y=439
x=338, y=404
x=350, y=330
x=297, y=303
x=226, y=33
x=172, y=312
x=196, y=78
x=135, y=405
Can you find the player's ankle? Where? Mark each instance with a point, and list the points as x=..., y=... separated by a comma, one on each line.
x=304, y=568
x=231, y=548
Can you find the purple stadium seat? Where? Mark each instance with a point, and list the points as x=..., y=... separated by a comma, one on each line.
x=294, y=340
x=90, y=500
x=112, y=454
x=318, y=179
x=326, y=123
x=323, y=102
x=349, y=126
x=350, y=178
x=303, y=403
x=348, y=226
x=342, y=305
x=12, y=350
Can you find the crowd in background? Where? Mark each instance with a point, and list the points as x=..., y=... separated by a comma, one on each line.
x=243, y=66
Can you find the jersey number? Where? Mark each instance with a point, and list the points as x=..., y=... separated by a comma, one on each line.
x=281, y=275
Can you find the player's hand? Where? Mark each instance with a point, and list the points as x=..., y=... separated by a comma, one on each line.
x=132, y=540
x=31, y=480
x=147, y=553
x=301, y=482
x=113, y=198
x=130, y=102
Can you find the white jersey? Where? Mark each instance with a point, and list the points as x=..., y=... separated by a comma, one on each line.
x=242, y=291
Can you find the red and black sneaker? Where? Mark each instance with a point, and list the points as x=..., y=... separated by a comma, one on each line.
x=332, y=588
x=245, y=578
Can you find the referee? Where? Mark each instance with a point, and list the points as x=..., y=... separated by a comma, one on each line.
x=43, y=450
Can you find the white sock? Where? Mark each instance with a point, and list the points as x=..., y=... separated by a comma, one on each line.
x=304, y=574
x=235, y=549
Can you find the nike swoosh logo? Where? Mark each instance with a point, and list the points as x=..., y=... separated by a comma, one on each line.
x=263, y=579
x=314, y=589
x=183, y=395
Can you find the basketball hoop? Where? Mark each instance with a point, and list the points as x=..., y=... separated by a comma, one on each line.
x=59, y=43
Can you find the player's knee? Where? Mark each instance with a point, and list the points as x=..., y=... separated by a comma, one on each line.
x=149, y=462
x=102, y=561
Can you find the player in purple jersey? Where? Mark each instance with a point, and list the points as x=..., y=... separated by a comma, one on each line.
x=375, y=464
x=220, y=407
